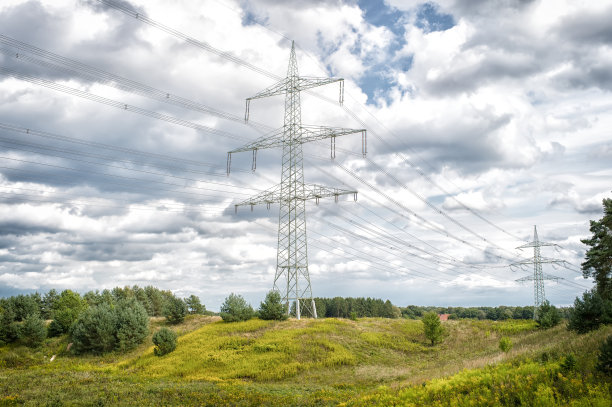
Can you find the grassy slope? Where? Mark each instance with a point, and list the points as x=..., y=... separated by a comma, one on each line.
x=320, y=362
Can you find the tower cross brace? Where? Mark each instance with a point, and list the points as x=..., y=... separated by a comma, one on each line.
x=292, y=279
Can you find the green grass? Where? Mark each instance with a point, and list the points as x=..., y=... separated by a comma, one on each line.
x=317, y=362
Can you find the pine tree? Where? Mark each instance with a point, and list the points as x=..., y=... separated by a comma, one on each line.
x=598, y=262
x=272, y=307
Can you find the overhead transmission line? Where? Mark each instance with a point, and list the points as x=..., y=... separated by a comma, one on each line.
x=51, y=136
x=116, y=81
x=34, y=147
x=113, y=175
x=116, y=104
x=190, y=40
x=160, y=207
x=36, y=176
x=429, y=225
x=453, y=259
x=13, y=143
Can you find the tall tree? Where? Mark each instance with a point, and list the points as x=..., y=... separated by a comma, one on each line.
x=194, y=306
x=598, y=262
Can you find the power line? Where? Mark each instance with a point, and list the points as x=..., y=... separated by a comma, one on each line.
x=190, y=40
x=126, y=168
x=109, y=79
x=113, y=175
x=37, y=133
x=119, y=105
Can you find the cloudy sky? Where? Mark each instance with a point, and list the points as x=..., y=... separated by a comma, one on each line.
x=484, y=118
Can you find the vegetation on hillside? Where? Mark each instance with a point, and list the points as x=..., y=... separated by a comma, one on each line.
x=370, y=361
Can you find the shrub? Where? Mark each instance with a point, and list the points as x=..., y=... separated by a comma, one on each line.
x=55, y=329
x=25, y=305
x=165, y=341
x=63, y=321
x=589, y=313
x=94, y=331
x=604, y=359
x=33, y=331
x=132, y=324
x=272, y=307
x=505, y=344
x=235, y=308
x=105, y=327
x=9, y=330
x=433, y=327
x=66, y=309
x=569, y=363
x=547, y=315
x=175, y=310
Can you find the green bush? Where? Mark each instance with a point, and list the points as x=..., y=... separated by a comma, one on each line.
x=9, y=330
x=132, y=324
x=589, y=313
x=604, y=359
x=272, y=308
x=165, y=341
x=547, y=315
x=94, y=331
x=235, y=308
x=569, y=363
x=505, y=344
x=433, y=327
x=175, y=310
x=104, y=328
x=33, y=331
x=55, y=329
x=63, y=321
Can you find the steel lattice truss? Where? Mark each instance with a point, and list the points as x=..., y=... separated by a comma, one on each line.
x=538, y=276
x=292, y=279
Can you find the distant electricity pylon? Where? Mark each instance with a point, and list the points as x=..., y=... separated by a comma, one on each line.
x=538, y=276
x=292, y=279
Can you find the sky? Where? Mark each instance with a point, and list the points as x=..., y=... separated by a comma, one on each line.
x=483, y=118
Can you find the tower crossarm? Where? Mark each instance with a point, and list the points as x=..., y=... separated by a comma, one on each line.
x=313, y=133
x=303, y=83
x=305, y=134
x=541, y=260
x=544, y=277
x=535, y=244
x=311, y=191
x=316, y=192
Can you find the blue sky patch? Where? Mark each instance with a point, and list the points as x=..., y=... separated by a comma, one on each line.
x=429, y=18
x=378, y=79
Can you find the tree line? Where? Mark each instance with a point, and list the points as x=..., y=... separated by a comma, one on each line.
x=499, y=313
x=97, y=321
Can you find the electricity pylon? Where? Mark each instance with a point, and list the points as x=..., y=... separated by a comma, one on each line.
x=538, y=276
x=292, y=279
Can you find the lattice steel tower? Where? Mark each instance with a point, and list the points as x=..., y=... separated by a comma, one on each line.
x=292, y=279
x=538, y=276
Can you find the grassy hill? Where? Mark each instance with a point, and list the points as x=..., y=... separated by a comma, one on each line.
x=320, y=362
